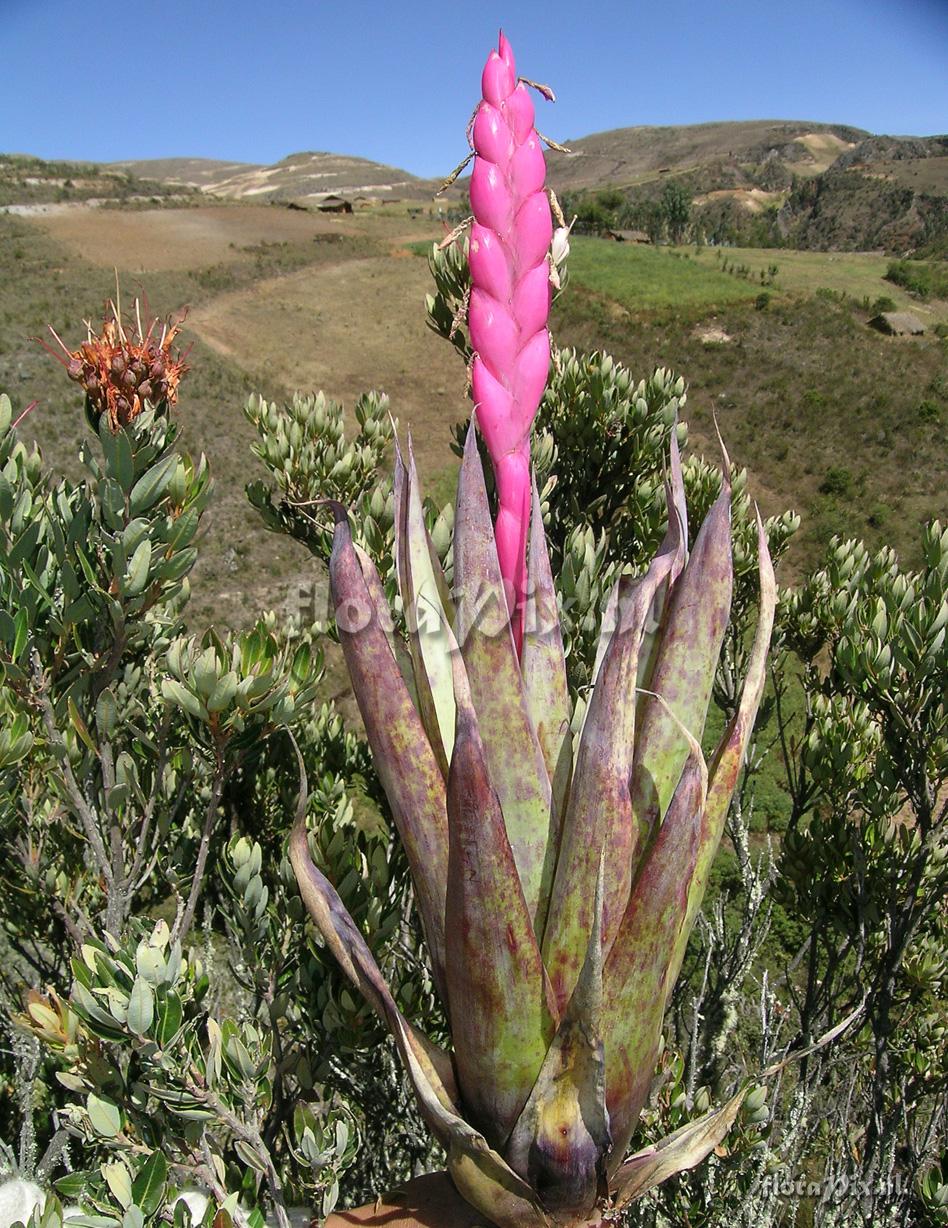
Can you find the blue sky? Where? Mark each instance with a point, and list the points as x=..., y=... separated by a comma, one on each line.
x=397, y=81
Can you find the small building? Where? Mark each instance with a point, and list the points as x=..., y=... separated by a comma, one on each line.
x=628, y=236
x=334, y=204
x=898, y=324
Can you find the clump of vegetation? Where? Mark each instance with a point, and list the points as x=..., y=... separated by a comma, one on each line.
x=925, y=279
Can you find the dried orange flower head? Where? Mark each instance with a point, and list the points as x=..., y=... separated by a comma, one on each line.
x=124, y=366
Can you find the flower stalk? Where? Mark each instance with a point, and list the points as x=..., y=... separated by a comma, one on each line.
x=510, y=301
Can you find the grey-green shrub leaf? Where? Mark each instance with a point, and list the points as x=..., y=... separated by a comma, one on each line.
x=119, y=1181
x=105, y=1117
x=176, y=693
x=149, y=1184
x=249, y=1156
x=150, y=963
x=137, y=576
x=152, y=484
x=141, y=1006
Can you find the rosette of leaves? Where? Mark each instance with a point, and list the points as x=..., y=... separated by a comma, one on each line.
x=236, y=691
x=555, y=923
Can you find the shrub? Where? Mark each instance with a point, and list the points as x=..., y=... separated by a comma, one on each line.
x=838, y=481
x=927, y=280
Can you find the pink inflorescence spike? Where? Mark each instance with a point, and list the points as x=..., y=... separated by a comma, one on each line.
x=510, y=302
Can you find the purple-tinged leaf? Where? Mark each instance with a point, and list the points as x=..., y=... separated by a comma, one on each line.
x=352, y=953
x=495, y=1191
x=514, y=758
x=675, y=543
x=403, y=757
x=478, y=1171
x=675, y=495
x=562, y=1137
x=501, y=1017
x=543, y=664
x=637, y=973
x=599, y=811
x=686, y=657
x=728, y=759
x=676, y=1153
x=428, y=612
x=395, y=642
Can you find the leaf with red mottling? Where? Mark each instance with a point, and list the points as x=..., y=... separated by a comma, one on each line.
x=484, y=1178
x=501, y=1020
x=402, y=755
x=637, y=975
x=514, y=758
x=686, y=656
x=562, y=1137
x=543, y=664
x=729, y=757
x=428, y=611
x=599, y=812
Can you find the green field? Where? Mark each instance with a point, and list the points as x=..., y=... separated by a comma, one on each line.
x=830, y=417
x=641, y=278
x=860, y=275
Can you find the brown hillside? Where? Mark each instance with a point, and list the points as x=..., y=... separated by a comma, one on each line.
x=301, y=176
x=626, y=156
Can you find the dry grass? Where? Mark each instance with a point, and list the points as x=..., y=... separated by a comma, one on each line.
x=157, y=239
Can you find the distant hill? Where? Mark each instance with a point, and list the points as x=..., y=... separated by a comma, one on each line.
x=795, y=183
x=625, y=157
x=769, y=183
x=301, y=176
x=26, y=181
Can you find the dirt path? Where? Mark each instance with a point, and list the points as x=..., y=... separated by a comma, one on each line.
x=347, y=328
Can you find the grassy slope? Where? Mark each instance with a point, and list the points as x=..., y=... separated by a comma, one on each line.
x=861, y=275
x=25, y=180
x=640, y=277
x=841, y=423
x=806, y=395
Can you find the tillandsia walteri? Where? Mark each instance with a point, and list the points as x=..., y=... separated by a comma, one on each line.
x=559, y=856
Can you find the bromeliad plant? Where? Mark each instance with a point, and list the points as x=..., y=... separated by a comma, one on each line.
x=559, y=856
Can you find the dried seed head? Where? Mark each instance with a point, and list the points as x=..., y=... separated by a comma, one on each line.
x=122, y=366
